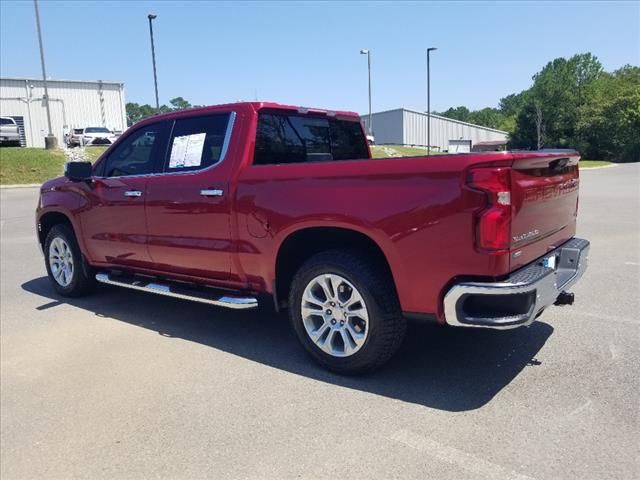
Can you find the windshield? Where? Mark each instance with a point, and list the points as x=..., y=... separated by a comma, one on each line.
x=7, y=121
x=96, y=130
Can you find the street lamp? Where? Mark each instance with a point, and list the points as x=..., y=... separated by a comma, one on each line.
x=368, y=54
x=153, y=57
x=50, y=141
x=429, y=50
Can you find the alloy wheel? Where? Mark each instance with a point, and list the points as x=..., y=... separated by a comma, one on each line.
x=335, y=315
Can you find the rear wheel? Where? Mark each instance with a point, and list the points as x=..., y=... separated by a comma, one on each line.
x=345, y=312
x=68, y=270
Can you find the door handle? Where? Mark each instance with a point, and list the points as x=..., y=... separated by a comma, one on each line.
x=133, y=193
x=212, y=192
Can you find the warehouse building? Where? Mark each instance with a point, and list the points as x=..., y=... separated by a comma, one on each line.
x=73, y=104
x=409, y=127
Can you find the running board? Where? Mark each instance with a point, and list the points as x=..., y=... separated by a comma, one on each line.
x=202, y=295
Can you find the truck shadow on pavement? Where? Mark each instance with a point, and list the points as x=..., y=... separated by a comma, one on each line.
x=439, y=367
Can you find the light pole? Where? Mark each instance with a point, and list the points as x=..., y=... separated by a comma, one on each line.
x=50, y=141
x=429, y=50
x=153, y=58
x=368, y=54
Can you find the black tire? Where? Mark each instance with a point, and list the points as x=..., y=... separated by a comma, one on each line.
x=82, y=277
x=386, y=325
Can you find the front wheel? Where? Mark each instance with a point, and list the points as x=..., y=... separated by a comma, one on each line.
x=345, y=312
x=68, y=271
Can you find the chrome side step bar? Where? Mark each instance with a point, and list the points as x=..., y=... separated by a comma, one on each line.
x=202, y=295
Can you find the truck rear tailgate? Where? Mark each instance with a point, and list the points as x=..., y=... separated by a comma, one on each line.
x=544, y=195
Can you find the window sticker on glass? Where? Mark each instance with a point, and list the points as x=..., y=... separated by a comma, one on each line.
x=186, y=151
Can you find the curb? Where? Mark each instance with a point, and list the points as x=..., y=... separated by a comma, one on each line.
x=597, y=168
x=23, y=185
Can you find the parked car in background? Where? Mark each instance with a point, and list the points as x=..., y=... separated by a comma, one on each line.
x=228, y=204
x=91, y=136
x=74, y=137
x=9, y=133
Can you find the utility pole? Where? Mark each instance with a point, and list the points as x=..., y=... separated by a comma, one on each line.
x=153, y=57
x=50, y=141
x=429, y=50
x=368, y=54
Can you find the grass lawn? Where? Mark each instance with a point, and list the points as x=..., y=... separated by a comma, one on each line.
x=92, y=153
x=593, y=163
x=383, y=151
x=29, y=165
x=36, y=165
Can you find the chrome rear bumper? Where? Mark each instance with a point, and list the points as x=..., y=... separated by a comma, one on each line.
x=519, y=299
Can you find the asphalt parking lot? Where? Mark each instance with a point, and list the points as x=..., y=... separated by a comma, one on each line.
x=130, y=385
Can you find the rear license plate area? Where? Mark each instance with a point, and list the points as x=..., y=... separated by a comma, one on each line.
x=550, y=262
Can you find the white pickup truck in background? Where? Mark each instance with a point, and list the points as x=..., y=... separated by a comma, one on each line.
x=9, y=134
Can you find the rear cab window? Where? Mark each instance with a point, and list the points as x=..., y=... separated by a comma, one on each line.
x=284, y=137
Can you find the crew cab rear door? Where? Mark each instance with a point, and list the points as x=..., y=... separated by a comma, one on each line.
x=188, y=205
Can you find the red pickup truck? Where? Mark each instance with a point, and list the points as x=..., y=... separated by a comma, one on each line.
x=235, y=203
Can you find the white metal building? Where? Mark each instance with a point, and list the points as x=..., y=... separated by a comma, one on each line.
x=402, y=126
x=74, y=104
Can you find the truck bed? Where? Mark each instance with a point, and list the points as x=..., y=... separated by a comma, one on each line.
x=420, y=210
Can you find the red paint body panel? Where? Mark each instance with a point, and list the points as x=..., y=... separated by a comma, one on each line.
x=113, y=225
x=543, y=201
x=419, y=211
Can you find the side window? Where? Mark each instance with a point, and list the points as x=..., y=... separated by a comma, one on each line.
x=277, y=141
x=137, y=153
x=347, y=140
x=291, y=139
x=196, y=142
x=282, y=138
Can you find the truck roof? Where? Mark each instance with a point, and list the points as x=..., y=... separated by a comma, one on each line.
x=254, y=107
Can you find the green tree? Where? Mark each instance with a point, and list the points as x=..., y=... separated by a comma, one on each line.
x=179, y=103
x=572, y=103
x=457, y=113
x=511, y=105
x=529, y=128
x=137, y=112
x=557, y=98
x=610, y=120
x=488, y=117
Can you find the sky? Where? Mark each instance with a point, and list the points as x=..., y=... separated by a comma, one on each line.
x=307, y=53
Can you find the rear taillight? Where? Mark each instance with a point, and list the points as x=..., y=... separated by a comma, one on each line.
x=493, y=224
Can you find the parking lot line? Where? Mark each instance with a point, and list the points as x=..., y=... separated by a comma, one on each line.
x=471, y=463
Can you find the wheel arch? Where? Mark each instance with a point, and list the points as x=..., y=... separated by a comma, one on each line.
x=48, y=219
x=302, y=244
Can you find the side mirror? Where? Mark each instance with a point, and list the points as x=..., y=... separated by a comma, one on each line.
x=78, y=171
